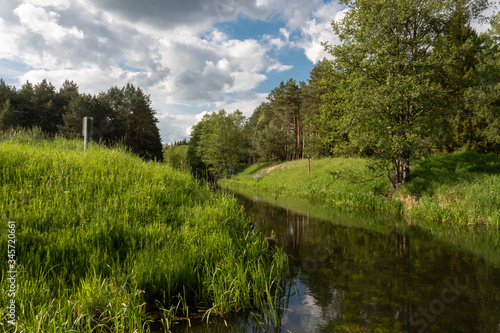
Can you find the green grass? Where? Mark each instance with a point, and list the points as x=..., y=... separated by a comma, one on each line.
x=462, y=187
x=339, y=181
x=104, y=240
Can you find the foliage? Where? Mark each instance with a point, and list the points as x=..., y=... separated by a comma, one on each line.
x=177, y=157
x=282, y=128
x=218, y=139
x=105, y=240
x=394, y=77
x=484, y=97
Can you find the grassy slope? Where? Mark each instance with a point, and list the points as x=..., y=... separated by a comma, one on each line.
x=345, y=187
x=100, y=233
x=461, y=187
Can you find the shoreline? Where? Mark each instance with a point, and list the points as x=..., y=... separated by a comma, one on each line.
x=460, y=188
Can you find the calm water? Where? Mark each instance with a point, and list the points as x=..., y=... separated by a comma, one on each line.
x=358, y=271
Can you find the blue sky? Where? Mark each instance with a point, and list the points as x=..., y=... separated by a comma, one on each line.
x=191, y=56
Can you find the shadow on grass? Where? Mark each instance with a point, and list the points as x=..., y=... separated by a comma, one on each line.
x=451, y=169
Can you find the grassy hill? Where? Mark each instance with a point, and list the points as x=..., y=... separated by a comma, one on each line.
x=461, y=187
x=104, y=240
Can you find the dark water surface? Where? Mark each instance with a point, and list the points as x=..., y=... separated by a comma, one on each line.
x=366, y=271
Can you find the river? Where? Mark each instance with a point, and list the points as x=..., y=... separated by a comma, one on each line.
x=354, y=270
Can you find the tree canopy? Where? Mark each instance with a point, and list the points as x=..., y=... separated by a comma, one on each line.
x=217, y=143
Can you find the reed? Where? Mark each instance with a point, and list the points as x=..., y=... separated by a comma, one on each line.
x=106, y=241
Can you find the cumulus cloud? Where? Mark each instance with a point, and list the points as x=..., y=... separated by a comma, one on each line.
x=38, y=20
x=174, y=126
x=318, y=30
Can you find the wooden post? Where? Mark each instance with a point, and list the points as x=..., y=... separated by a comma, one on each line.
x=87, y=130
x=309, y=164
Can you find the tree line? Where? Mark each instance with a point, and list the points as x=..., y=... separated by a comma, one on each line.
x=121, y=115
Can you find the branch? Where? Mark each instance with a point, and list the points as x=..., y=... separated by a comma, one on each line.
x=367, y=180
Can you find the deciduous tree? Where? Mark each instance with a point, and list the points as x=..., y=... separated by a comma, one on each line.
x=221, y=142
x=390, y=62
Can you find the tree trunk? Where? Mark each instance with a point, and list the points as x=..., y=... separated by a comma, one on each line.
x=299, y=149
x=295, y=144
x=303, y=146
x=401, y=171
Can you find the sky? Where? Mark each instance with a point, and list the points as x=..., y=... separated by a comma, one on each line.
x=190, y=56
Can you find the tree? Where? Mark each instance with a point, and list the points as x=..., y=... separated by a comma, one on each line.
x=79, y=106
x=24, y=105
x=286, y=100
x=276, y=127
x=142, y=134
x=270, y=138
x=9, y=117
x=6, y=92
x=120, y=115
x=48, y=116
x=198, y=168
x=311, y=95
x=462, y=48
x=221, y=142
x=389, y=93
x=484, y=98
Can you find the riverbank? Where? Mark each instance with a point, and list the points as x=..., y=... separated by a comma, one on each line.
x=106, y=241
x=462, y=187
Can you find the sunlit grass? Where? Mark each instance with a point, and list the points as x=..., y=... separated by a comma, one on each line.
x=103, y=238
x=339, y=181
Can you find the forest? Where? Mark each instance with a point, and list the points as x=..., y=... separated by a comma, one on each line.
x=419, y=81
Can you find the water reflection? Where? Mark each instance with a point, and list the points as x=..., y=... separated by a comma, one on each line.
x=355, y=271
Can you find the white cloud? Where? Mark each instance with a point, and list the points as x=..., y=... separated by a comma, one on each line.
x=318, y=30
x=275, y=42
x=9, y=37
x=297, y=12
x=247, y=102
x=243, y=81
x=57, y=4
x=38, y=20
x=174, y=126
x=285, y=33
x=279, y=67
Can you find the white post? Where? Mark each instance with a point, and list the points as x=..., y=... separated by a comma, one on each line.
x=87, y=130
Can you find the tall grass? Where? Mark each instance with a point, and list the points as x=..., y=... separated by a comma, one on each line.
x=104, y=240
x=462, y=187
